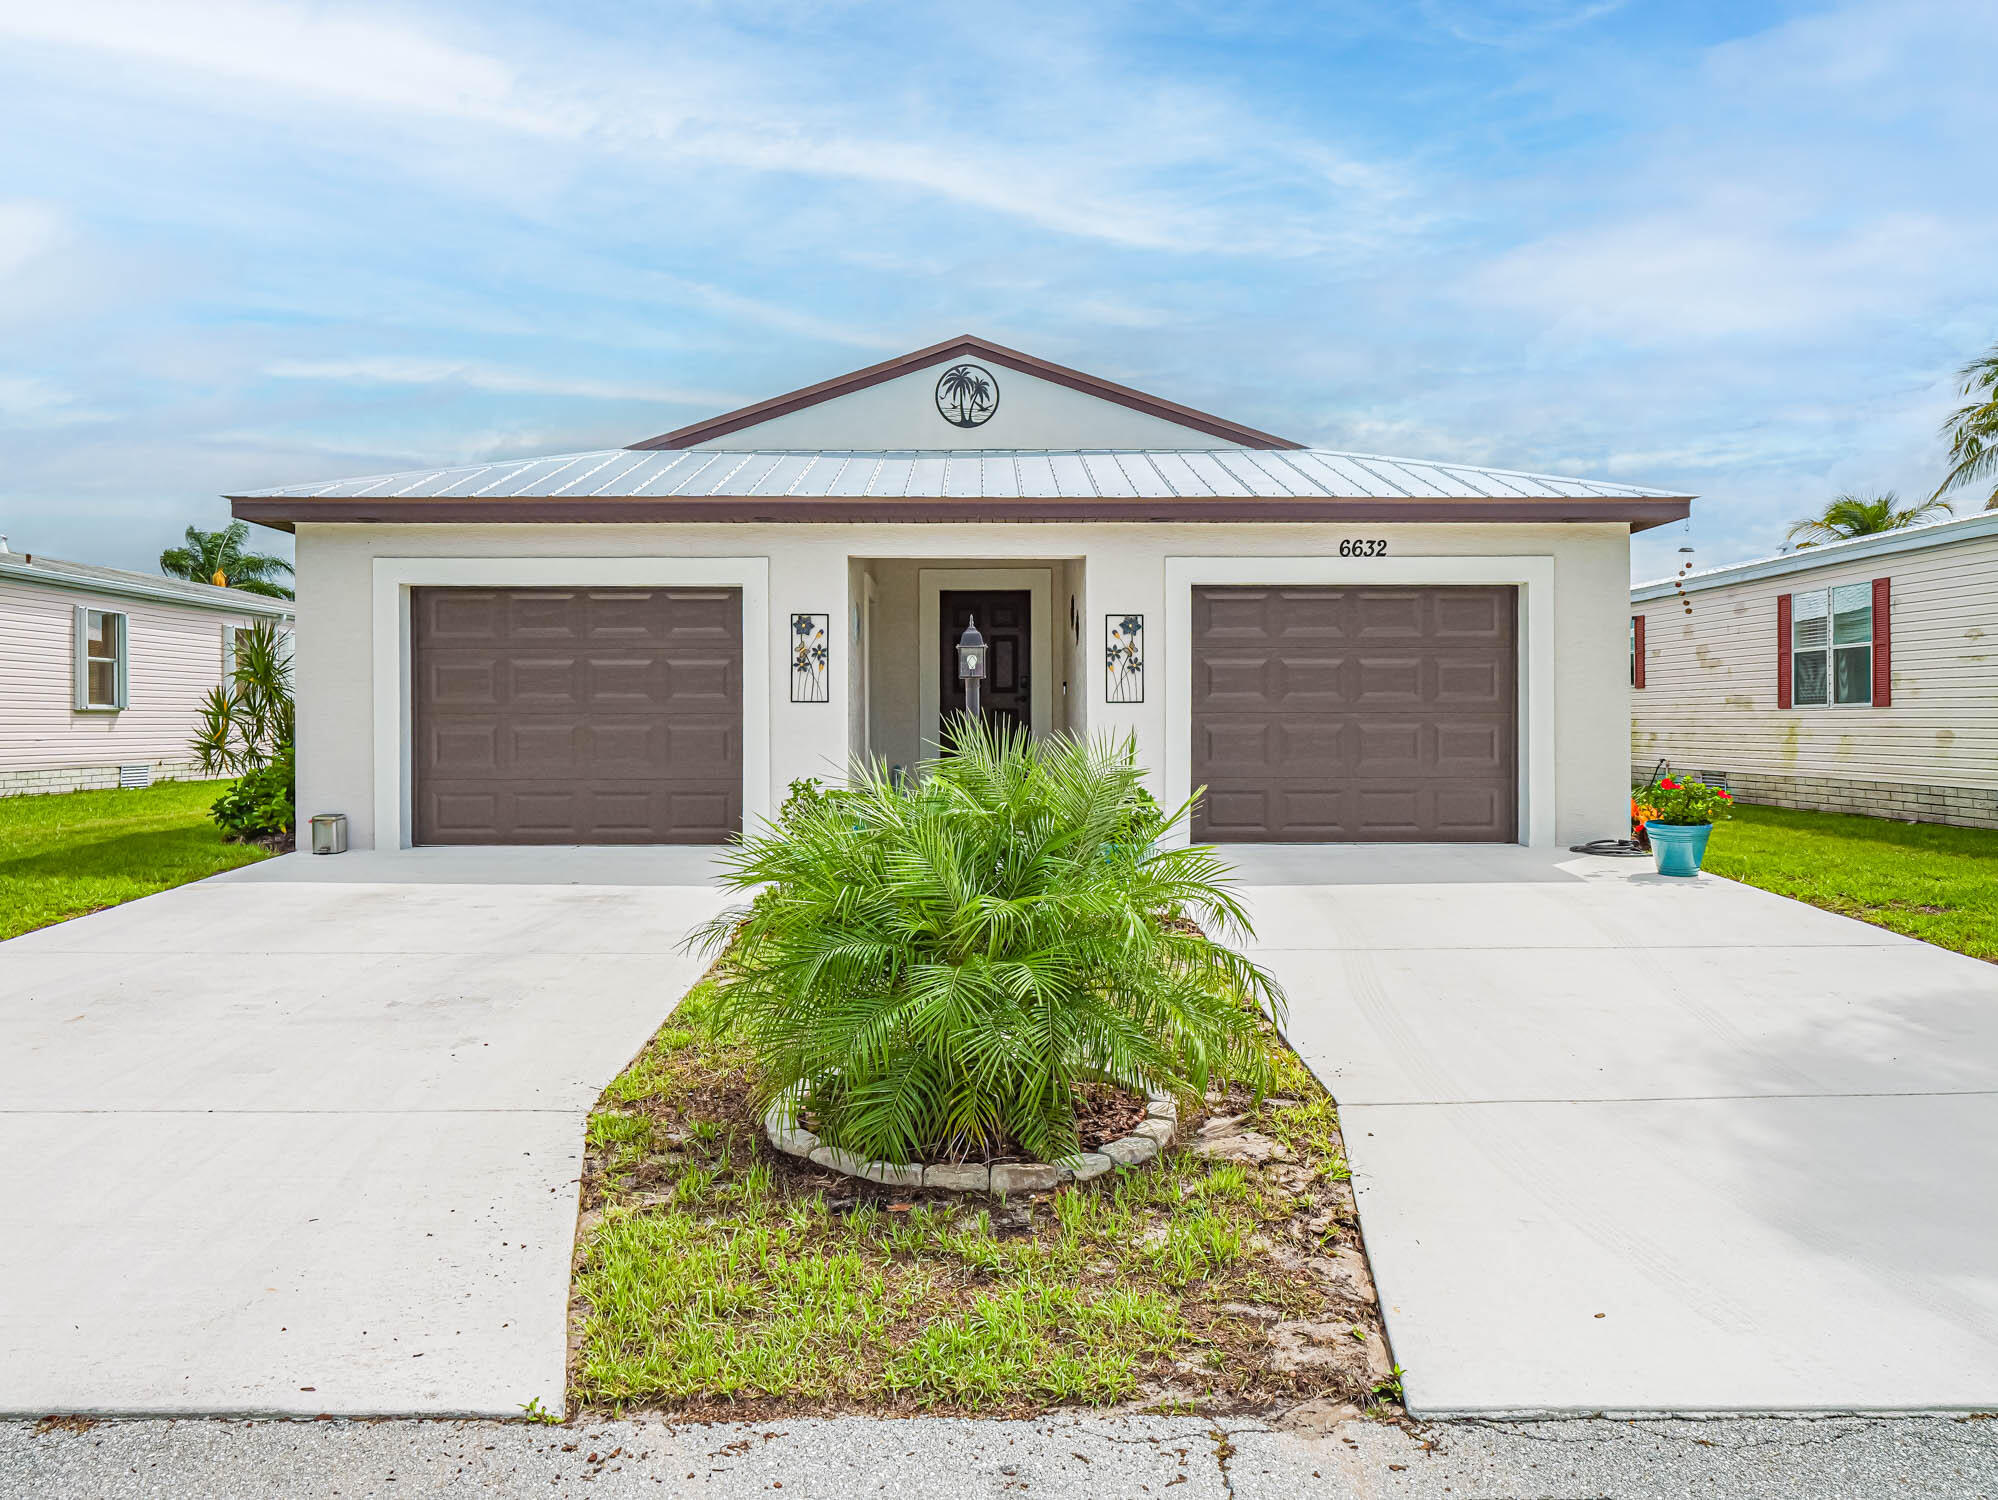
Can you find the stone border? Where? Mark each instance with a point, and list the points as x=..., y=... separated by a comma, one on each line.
x=1153, y=1136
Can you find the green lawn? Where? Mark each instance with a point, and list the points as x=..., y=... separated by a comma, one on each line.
x=77, y=852
x=1929, y=881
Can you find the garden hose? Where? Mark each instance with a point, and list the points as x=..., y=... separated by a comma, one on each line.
x=1614, y=848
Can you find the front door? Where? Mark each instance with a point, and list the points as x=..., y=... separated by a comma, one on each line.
x=1002, y=616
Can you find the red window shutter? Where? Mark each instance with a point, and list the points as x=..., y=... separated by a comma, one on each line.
x=1883, y=645
x=1783, y=651
x=1637, y=651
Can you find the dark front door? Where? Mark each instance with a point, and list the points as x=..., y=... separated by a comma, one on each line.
x=1368, y=714
x=576, y=716
x=1002, y=616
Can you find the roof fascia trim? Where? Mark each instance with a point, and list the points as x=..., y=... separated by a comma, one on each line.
x=1639, y=514
x=999, y=354
x=137, y=589
x=1884, y=544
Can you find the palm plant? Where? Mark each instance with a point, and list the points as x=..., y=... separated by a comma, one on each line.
x=218, y=557
x=936, y=965
x=1972, y=430
x=249, y=720
x=1850, y=515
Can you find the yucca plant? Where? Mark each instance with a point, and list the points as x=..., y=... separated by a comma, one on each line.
x=936, y=964
x=250, y=718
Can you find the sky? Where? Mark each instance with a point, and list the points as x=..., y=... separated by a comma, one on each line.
x=1730, y=248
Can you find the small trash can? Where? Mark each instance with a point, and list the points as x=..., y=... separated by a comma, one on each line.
x=329, y=833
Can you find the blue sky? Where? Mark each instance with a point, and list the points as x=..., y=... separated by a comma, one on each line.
x=1738, y=249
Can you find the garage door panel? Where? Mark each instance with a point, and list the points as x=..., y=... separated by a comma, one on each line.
x=1474, y=749
x=1308, y=681
x=1479, y=614
x=1472, y=683
x=461, y=682
x=1388, y=681
x=1384, y=615
x=1387, y=746
x=542, y=684
x=1360, y=714
x=463, y=617
x=577, y=716
x=543, y=617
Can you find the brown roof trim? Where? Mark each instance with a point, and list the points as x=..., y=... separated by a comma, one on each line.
x=998, y=354
x=597, y=509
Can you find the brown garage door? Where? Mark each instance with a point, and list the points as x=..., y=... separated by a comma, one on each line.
x=1324, y=714
x=577, y=716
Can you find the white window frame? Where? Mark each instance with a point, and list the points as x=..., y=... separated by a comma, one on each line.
x=1828, y=651
x=121, y=673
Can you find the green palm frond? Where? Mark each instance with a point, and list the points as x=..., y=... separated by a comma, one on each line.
x=209, y=553
x=1972, y=430
x=1852, y=515
x=937, y=964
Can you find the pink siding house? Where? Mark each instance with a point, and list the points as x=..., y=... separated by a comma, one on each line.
x=102, y=672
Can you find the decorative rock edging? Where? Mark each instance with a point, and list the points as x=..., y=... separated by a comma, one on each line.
x=1152, y=1137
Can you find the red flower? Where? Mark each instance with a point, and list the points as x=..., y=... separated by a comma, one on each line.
x=1669, y=785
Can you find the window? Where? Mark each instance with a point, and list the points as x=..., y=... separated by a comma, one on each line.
x=100, y=659
x=1831, y=646
x=1637, y=651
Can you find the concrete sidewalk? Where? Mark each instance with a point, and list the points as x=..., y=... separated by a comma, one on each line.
x=306, y=1137
x=1631, y=1144
x=1077, y=1458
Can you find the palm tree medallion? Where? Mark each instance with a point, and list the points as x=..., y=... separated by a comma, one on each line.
x=967, y=395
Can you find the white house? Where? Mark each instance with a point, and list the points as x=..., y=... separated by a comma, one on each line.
x=1859, y=676
x=648, y=644
x=102, y=672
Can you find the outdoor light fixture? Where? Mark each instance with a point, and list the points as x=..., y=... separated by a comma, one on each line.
x=971, y=663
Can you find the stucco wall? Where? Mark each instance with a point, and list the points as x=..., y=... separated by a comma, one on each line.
x=1033, y=413
x=1116, y=568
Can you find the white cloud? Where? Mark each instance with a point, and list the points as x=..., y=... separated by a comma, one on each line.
x=311, y=51
x=1723, y=266
x=30, y=401
x=396, y=369
x=28, y=231
x=1167, y=166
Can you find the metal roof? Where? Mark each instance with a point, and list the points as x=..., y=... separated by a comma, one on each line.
x=1826, y=555
x=973, y=474
x=55, y=572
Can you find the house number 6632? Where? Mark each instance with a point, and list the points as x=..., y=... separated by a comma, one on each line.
x=1373, y=547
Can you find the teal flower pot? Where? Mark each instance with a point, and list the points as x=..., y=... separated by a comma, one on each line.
x=1679, y=847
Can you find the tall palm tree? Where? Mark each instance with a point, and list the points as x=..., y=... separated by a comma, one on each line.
x=1850, y=515
x=218, y=557
x=1973, y=430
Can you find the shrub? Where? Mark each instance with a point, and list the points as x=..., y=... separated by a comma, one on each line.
x=937, y=964
x=260, y=804
x=247, y=727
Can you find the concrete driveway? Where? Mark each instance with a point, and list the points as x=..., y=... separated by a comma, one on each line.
x=306, y=1137
x=1625, y=1143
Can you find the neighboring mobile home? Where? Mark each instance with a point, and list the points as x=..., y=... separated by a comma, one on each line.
x=1858, y=676
x=648, y=644
x=102, y=672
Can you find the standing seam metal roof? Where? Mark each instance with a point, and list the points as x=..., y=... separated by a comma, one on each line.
x=972, y=474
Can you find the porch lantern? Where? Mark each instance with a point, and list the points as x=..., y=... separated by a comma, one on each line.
x=971, y=663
